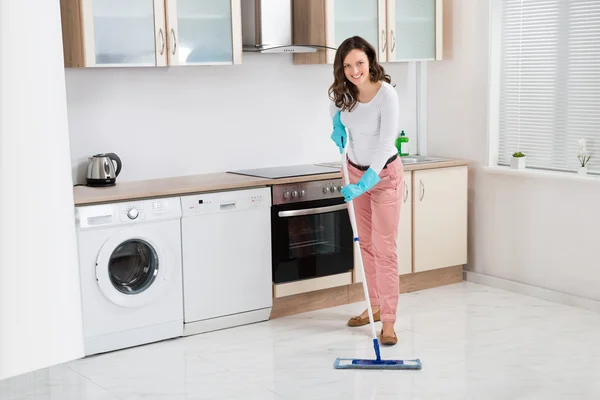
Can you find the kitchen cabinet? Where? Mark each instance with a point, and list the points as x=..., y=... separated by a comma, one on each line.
x=414, y=30
x=400, y=30
x=151, y=33
x=203, y=32
x=439, y=218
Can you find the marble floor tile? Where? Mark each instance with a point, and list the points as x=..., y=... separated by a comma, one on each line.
x=475, y=342
x=56, y=383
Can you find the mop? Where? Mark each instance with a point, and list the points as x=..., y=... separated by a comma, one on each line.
x=378, y=363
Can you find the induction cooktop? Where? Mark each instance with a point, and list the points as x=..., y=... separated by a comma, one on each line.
x=288, y=172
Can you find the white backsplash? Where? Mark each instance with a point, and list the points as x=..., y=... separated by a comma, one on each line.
x=166, y=122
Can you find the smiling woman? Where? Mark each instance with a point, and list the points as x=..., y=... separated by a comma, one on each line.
x=355, y=61
x=366, y=103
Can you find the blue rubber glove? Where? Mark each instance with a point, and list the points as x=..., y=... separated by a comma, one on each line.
x=368, y=180
x=339, y=132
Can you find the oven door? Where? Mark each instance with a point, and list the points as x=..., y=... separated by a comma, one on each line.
x=311, y=239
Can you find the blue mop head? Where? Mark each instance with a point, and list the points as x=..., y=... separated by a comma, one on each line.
x=352, y=363
x=357, y=363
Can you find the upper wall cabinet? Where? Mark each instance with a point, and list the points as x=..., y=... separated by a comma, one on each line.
x=414, y=30
x=137, y=33
x=203, y=32
x=400, y=30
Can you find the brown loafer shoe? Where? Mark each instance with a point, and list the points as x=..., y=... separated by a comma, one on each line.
x=358, y=321
x=388, y=340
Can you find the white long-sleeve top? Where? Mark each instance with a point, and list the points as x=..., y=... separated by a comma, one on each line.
x=372, y=128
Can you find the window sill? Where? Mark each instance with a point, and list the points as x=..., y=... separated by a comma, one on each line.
x=541, y=173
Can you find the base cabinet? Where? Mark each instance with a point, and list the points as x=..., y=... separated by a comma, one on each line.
x=439, y=218
x=432, y=231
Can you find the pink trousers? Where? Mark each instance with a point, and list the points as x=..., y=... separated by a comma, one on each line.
x=377, y=217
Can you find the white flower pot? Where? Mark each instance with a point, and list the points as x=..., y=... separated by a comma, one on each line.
x=582, y=170
x=518, y=162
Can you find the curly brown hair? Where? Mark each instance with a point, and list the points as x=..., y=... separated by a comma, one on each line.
x=343, y=92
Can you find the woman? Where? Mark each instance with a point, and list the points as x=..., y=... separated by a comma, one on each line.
x=366, y=103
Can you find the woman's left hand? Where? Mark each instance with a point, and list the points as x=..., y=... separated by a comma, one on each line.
x=368, y=180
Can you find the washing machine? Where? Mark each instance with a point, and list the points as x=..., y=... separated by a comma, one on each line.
x=131, y=273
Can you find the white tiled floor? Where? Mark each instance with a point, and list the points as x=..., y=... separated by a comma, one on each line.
x=475, y=342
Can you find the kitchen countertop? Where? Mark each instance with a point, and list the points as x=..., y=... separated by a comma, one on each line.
x=183, y=185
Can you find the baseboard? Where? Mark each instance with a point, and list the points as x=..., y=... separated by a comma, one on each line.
x=534, y=291
x=311, y=285
x=309, y=301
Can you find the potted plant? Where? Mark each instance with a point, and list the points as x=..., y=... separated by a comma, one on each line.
x=583, y=156
x=518, y=160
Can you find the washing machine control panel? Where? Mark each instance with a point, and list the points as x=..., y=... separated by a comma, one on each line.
x=129, y=212
x=145, y=210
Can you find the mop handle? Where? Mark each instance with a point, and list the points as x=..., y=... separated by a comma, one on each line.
x=357, y=247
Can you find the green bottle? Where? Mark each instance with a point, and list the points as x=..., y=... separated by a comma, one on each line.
x=402, y=144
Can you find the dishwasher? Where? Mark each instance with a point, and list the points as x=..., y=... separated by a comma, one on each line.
x=226, y=255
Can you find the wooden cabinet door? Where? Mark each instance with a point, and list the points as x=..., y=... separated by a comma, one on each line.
x=114, y=33
x=440, y=218
x=204, y=32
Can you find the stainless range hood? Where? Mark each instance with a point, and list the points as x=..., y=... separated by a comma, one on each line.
x=267, y=28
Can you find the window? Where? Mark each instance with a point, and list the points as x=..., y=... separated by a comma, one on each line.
x=546, y=58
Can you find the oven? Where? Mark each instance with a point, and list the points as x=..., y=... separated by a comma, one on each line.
x=311, y=231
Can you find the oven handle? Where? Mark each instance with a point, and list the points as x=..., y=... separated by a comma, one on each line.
x=312, y=211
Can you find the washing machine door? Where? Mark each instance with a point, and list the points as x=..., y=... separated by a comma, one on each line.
x=132, y=267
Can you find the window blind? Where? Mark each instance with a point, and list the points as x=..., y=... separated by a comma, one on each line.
x=550, y=82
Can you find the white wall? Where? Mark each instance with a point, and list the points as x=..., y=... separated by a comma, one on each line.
x=165, y=122
x=40, y=307
x=532, y=230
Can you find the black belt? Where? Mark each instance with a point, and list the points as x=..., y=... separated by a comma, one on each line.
x=363, y=168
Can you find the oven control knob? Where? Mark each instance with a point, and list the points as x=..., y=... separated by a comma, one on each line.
x=294, y=194
x=333, y=189
x=325, y=190
x=302, y=193
x=339, y=188
x=132, y=213
x=286, y=195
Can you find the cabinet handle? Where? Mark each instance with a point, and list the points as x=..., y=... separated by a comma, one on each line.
x=422, y=190
x=393, y=41
x=161, y=36
x=383, y=40
x=174, y=41
x=405, y=192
